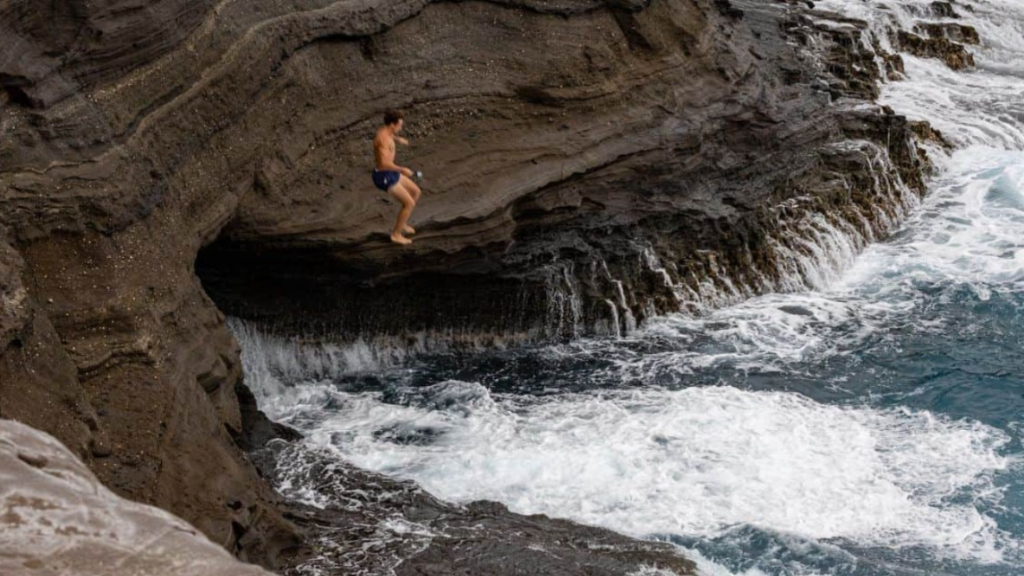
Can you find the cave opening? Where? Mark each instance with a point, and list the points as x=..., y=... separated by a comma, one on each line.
x=313, y=292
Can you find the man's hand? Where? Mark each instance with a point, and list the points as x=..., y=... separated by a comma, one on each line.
x=401, y=141
x=408, y=173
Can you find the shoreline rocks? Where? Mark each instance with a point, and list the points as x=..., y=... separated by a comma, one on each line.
x=366, y=523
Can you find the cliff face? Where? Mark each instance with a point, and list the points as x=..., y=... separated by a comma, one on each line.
x=55, y=49
x=589, y=162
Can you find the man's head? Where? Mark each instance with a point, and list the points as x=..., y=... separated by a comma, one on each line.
x=393, y=119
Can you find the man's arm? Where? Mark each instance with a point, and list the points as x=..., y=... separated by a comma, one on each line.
x=402, y=141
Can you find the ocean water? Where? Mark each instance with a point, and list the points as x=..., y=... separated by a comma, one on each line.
x=871, y=426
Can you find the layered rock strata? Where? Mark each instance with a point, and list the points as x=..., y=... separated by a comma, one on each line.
x=665, y=159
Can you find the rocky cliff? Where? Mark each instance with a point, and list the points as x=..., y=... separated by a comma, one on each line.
x=589, y=163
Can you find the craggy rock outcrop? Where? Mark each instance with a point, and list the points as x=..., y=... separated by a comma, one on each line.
x=57, y=519
x=951, y=31
x=937, y=46
x=590, y=163
x=119, y=354
x=938, y=36
x=937, y=9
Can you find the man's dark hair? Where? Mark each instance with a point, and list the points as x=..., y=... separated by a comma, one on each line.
x=392, y=117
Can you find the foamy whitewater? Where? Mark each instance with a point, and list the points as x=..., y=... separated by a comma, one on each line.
x=870, y=427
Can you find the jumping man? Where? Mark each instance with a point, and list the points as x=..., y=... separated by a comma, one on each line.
x=392, y=178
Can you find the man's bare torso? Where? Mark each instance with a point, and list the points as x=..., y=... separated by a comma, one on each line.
x=384, y=149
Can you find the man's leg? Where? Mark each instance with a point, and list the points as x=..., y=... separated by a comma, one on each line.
x=411, y=187
x=399, y=192
x=414, y=192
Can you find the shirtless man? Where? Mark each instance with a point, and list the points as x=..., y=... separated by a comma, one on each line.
x=392, y=178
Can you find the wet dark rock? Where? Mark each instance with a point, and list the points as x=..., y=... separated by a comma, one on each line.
x=943, y=9
x=927, y=133
x=953, y=54
x=256, y=429
x=940, y=9
x=953, y=32
x=408, y=435
x=894, y=67
x=727, y=9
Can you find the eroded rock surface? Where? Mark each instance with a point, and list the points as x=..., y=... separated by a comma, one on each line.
x=939, y=46
x=56, y=518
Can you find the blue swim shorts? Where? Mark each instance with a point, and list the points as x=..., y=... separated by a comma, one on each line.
x=385, y=179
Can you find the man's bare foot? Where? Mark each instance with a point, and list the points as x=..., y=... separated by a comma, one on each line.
x=409, y=229
x=399, y=239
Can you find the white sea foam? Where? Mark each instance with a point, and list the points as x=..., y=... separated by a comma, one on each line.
x=970, y=230
x=982, y=106
x=697, y=461
x=708, y=567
